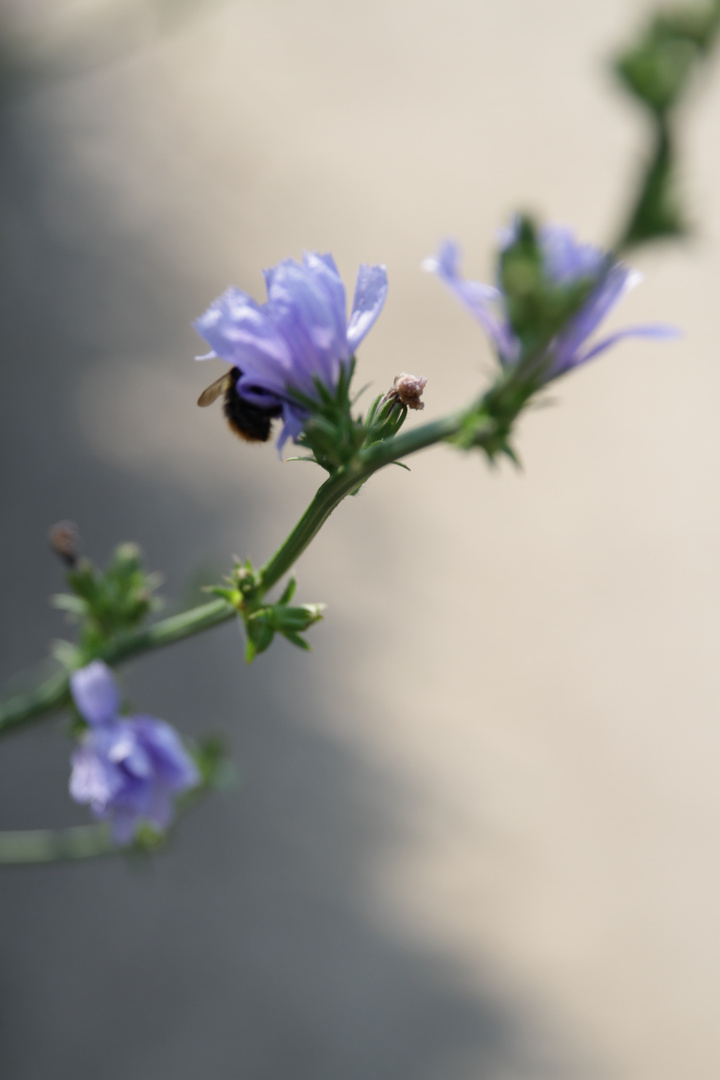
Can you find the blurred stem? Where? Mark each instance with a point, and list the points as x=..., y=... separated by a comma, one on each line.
x=54, y=845
x=53, y=693
x=655, y=212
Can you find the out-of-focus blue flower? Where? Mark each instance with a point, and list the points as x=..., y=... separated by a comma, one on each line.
x=300, y=334
x=565, y=262
x=128, y=769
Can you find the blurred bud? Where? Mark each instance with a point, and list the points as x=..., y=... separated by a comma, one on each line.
x=65, y=542
x=657, y=70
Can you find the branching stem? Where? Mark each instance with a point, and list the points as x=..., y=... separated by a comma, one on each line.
x=53, y=692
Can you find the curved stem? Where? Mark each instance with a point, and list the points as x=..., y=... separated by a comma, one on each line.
x=347, y=480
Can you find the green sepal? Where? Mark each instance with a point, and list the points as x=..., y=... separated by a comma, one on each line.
x=538, y=308
x=262, y=625
x=295, y=618
x=295, y=639
x=73, y=605
x=332, y=434
x=289, y=591
x=67, y=654
x=260, y=633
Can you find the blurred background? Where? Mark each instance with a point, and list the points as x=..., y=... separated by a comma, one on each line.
x=476, y=833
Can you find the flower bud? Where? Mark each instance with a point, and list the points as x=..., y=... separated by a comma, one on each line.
x=407, y=389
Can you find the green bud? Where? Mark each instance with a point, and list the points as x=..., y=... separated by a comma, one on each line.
x=109, y=602
x=262, y=625
x=658, y=69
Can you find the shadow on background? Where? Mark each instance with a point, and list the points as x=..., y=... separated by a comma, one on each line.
x=247, y=949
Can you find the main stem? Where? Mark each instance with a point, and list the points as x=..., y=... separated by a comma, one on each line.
x=54, y=692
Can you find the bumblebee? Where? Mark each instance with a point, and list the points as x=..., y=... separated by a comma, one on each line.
x=251, y=422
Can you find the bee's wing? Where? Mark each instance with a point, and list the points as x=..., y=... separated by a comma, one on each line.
x=213, y=392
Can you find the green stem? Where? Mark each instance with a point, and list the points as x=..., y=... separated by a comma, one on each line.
x=346, y=480
x=52, y=845
x=53, y=693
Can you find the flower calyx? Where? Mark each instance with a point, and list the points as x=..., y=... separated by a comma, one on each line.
x=388, y=411
x=263, y=621
x=538, y=303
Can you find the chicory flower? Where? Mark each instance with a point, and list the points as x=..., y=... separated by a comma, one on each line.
x=127, y=768
x=565, y=263
x=299, y=335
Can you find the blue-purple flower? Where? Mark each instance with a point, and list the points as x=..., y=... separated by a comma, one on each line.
x=565, y=262
x=299, y=335
x=127, y=768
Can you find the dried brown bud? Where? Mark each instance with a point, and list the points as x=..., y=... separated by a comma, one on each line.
x=65, y=541
x=407, y=389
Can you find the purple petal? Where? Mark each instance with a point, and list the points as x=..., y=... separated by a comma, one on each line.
x=160, y=809
x=293, y=422
x=298, y=336
x=659, y=331
x=127, y=750
x=476, y=297
x=309, y=311
x=241, y=332
x=565, y=259
x=95, y=693
x=326, y=275
x=613, y=286
x=171, y=761
x=370, y=292
x=124, y=823
x=90, y=779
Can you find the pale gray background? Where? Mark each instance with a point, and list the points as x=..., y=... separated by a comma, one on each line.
x=477, y=833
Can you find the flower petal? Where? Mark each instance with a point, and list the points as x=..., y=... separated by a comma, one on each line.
x=658, y=331
x=293, y=422
x=124, y=823
x=241, y=333
x=476, y=297
x=298, y=336
x=565, y=259
x=92, y=779
x=619, y=280
x=126, y=750
x=326, y=276
x=371, y=291
x=171, y=762
x=95, y=693
x=309, y=311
